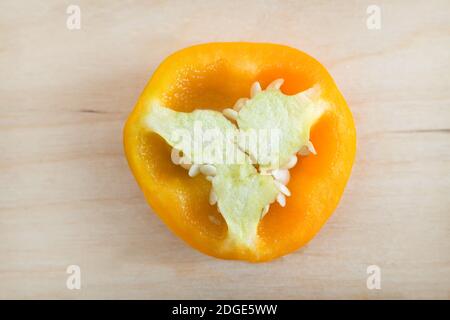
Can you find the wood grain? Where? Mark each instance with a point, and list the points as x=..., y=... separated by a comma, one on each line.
x=68, y=197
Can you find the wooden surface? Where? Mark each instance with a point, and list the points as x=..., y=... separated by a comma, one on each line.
x=67, y=195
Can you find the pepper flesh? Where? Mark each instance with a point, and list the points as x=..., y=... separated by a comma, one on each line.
x=213, y=76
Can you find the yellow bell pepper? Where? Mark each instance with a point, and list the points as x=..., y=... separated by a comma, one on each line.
x=213, y=76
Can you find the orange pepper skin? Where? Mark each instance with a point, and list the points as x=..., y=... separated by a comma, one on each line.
x=214, y=76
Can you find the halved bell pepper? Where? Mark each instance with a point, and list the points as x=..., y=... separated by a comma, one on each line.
x=213, y=76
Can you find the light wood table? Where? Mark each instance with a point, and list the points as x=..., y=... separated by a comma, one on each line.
x=67, y=196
